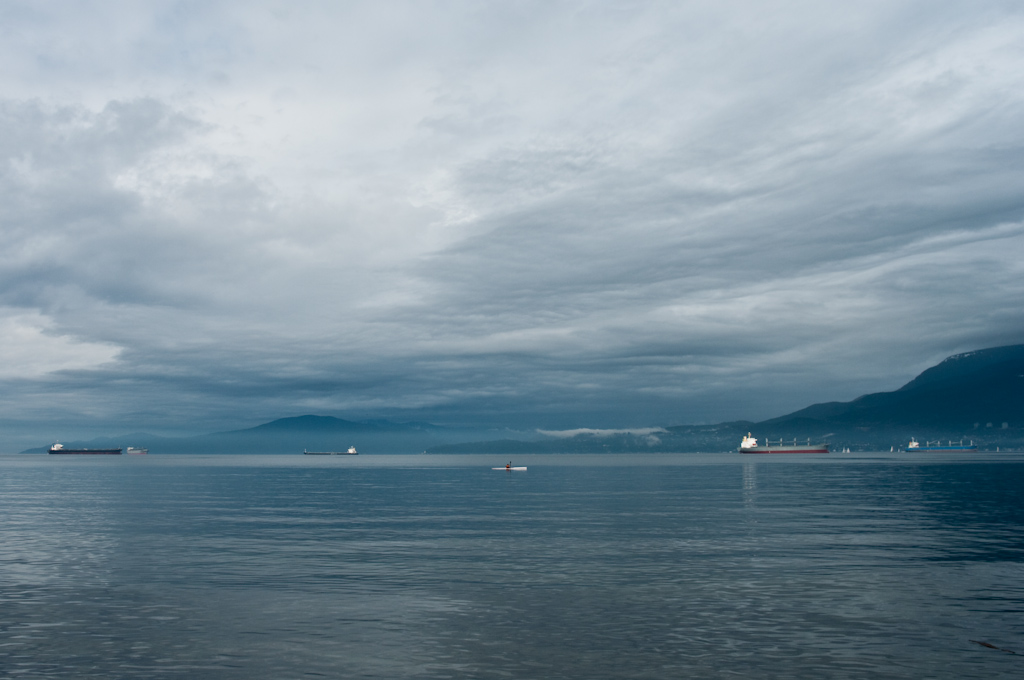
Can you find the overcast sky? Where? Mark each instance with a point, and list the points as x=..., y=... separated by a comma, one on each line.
x=535, y=214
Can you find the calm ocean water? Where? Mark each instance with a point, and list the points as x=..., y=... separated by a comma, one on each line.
x=661, y=566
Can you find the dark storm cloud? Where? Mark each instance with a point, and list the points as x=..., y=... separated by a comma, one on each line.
x=556, y=215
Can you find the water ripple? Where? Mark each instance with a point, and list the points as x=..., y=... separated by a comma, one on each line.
x=275, y=566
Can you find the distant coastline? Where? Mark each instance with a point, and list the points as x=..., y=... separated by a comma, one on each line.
x=977, y=396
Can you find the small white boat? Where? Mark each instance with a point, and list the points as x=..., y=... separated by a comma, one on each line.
x=510, y=469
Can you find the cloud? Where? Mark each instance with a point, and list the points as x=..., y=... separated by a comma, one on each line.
x=535, y=215
x=28, y=350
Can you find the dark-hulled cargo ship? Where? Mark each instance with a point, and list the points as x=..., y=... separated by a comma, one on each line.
x=59, y=448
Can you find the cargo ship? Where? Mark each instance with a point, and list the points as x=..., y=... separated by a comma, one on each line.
x=914, y=445
x=351, y=452
x=59, y=448
x=749, y=445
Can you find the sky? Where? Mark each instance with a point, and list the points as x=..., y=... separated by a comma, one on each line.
x=513, y=214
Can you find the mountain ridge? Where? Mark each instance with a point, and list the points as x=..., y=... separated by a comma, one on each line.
x=982, y=386
x=967, y=394
x=314, y=423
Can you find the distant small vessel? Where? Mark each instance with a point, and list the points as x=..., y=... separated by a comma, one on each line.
x=749, y=445
x=914, y=445
x=59, y=448
x=351, y=452
x=136, y=452
x=509, y=468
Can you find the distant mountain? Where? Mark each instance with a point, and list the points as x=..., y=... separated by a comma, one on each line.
x=311, y=423
x=303, y=424
x=326, y=433
x=986, y=386
x=968, y=395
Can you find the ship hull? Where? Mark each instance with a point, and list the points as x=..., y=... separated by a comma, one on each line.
x=786, y=449
x=93, y=452
x=944, y=448
x=329, y=453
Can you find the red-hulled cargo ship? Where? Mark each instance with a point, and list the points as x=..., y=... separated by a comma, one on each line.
x=749, y=445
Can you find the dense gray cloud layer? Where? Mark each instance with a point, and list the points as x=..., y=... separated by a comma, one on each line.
x=542, y=214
